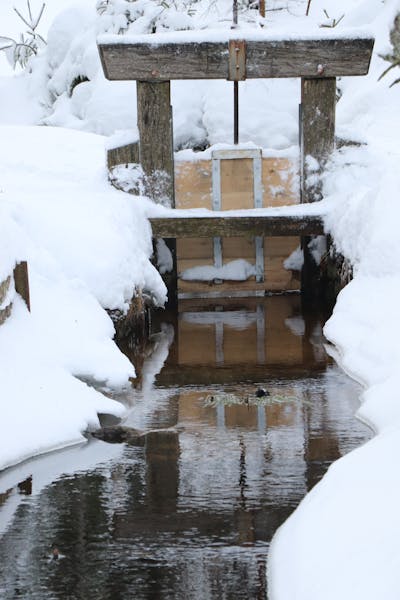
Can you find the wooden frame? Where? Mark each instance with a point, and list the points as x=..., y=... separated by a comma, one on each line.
x=236, y=154
x=153, y=61
x=188, y=226
x=145, y=60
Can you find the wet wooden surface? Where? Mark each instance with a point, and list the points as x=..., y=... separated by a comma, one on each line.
x=147, y=61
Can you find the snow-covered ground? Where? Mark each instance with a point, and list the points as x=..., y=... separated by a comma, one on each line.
x=88, y=246
x=87, y=249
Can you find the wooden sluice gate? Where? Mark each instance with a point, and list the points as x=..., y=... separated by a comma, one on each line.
x=236, y=179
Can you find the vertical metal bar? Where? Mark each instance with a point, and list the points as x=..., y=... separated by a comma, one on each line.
x=257, y=181
x=259, y=243
x=235, y=112
x=235, y=85
x=258, y=203
x=217, y=243
x=216, y=205
x=220, y=416
x=219, y=343
x=261, y=419
x=260, y=334
x=235, y=12
x=216, y=184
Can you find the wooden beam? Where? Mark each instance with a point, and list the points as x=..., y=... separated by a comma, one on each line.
x=21, y=282
x=147, y=61
x=181, y=227
x=200, y=375
x=122, y=155
x=317, y=133
x=317, y=141
x=154, y=114
x=156, y=154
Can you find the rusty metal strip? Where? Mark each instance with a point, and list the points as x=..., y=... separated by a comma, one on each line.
x=237, y=60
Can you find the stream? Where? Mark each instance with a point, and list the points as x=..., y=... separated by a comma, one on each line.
x=240, y=411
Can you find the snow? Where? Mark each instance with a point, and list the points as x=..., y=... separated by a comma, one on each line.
x=88, y=247
x=235, y=270
x=341, y=542
x=249, y=34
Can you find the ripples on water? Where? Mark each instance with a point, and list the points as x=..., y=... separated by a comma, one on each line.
x=190, y=514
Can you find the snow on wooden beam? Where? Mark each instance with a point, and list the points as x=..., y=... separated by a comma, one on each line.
x=181, y=227
x=165, y=60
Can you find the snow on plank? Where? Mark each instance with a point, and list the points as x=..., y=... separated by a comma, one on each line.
x=146, y=60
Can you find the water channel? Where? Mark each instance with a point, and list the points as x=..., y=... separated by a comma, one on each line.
x=188, y=511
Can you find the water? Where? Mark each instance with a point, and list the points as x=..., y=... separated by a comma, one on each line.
x=191, y=513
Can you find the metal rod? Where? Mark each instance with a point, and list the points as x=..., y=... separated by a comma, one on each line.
x=235, y=112
x=235, y=85
x=235, y=12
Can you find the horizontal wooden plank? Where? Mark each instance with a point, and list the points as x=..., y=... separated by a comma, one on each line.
x=236, y=226
x=195, y=375
x=146, y=61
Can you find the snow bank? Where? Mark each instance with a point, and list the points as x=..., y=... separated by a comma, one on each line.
x=88, y=248
x=342, y=542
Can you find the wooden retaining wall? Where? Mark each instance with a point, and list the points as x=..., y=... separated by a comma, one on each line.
x=20, y=279
x=193, y=189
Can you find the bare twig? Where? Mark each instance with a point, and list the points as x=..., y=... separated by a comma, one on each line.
x=386, y=71
x=394, y=82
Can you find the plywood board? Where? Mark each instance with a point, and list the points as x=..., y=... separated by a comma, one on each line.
x=188, y=248
x=200, y=353
x=280, y=182
x=234, y=342
x=193, y=184
x=237, y=184
x=194, y=190
x=238, y=247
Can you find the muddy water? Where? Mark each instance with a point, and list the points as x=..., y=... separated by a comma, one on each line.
x=189, y=514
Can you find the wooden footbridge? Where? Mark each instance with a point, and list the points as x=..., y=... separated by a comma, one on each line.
x=154, y=60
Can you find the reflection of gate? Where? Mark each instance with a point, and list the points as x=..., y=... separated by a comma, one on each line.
x=253, y=156
x=235, y=180
x=154, y=60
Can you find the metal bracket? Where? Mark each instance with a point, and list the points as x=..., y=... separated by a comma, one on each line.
x=232, y=154
x=237, y=60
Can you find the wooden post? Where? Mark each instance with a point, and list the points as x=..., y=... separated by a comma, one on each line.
x=21, y=282
x=318, y=102
x=317, y=140
x=156, y=152
x=156, y=140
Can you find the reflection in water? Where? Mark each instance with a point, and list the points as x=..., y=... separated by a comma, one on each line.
x=189, y=512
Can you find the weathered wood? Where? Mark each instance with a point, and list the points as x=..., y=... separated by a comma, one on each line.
x=317, y=127
x=4, y=287
x=198, y=375
x=236, y=226
x=146, y=61
x=6, y=310
x=156, y=140
x=21, y=282
x=317, y=140
x=123, y=155
x=156, y=154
